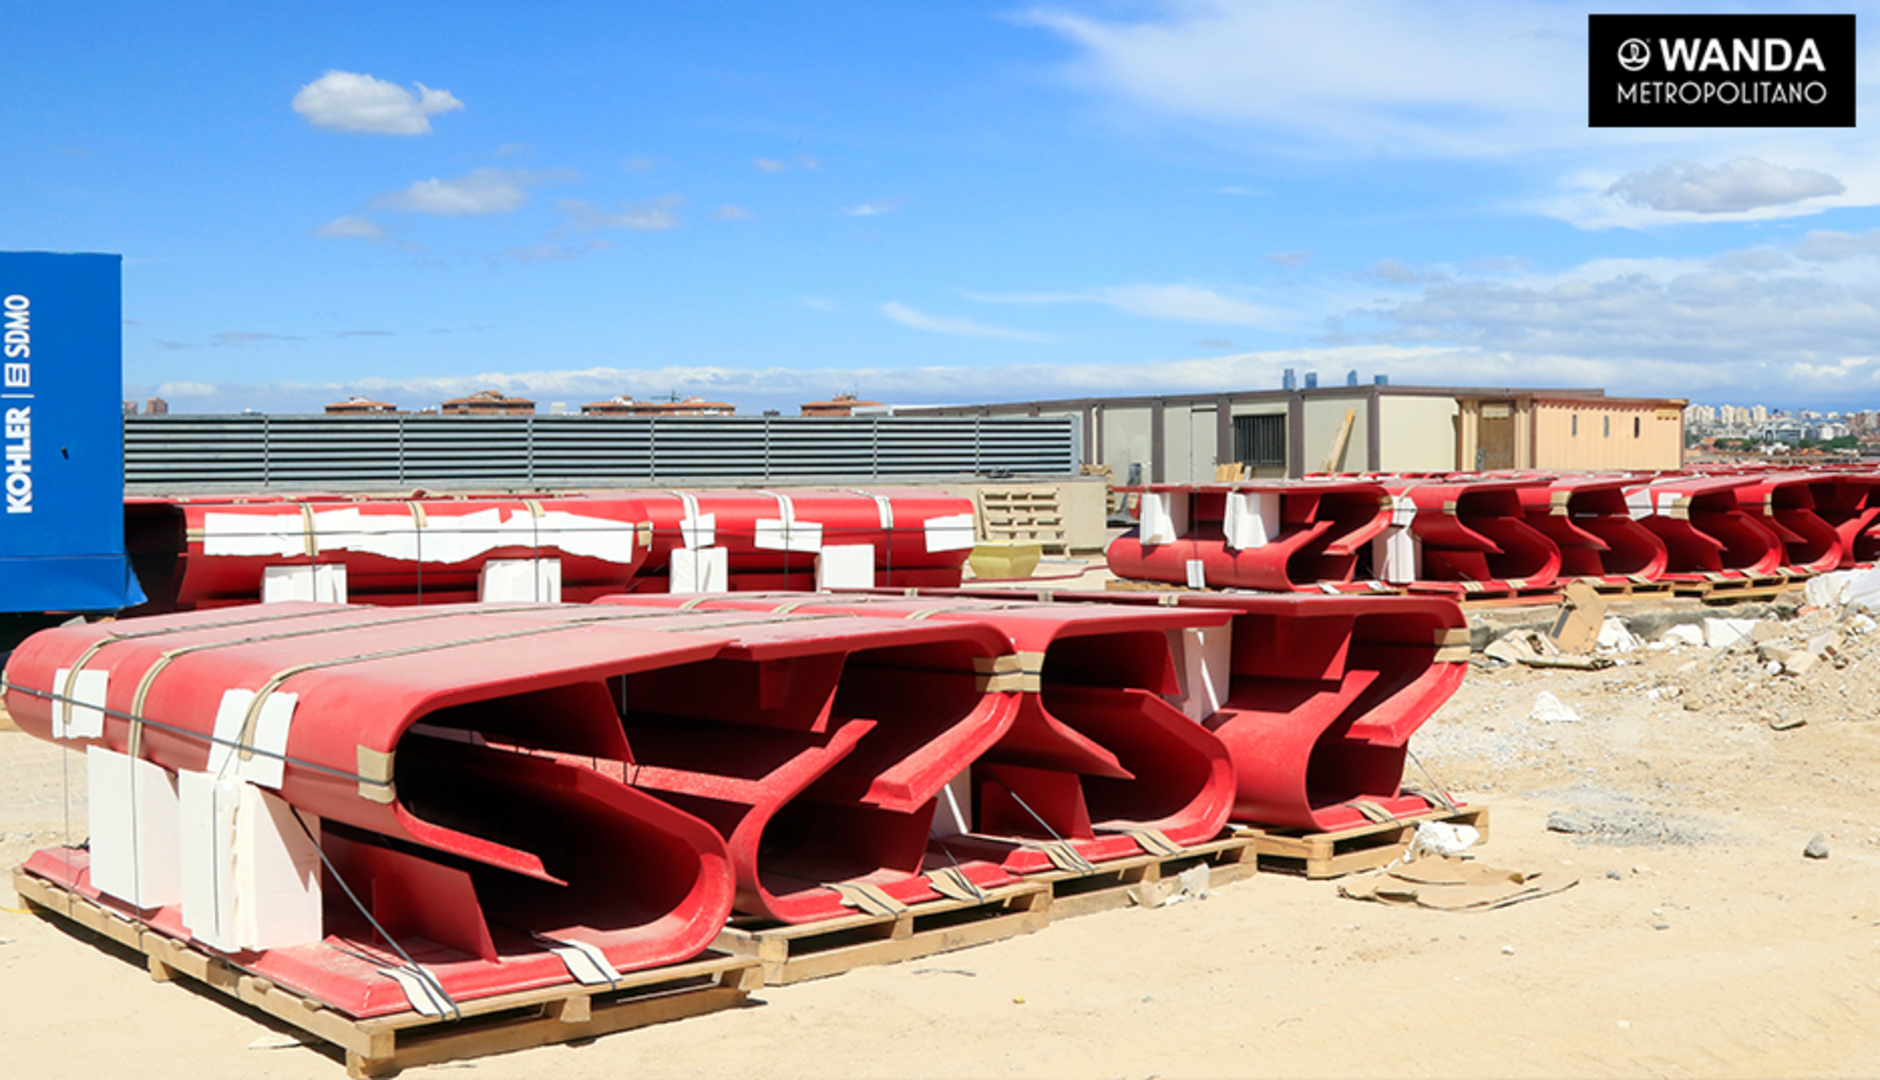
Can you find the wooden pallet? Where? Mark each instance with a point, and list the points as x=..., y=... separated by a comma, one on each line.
x=793, y=954
x=1146, y=880
x=1023, y=513
x=383, y=1045
x=1327, y=855
x=1733, y=590
x=1624, y=588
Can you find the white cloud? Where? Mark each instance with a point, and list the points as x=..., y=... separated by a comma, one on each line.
x=1342, y=75
x=1394, y=272
x=1746, y=183
x=938, y=324
x=1290, y=259
x=346, y=101
x=481, y=191
x=186, y=390
x=352, y=227
x=733, y=213
x=1763, y=320
x=1182, y=303
x=817, y=303
x=770, y=164
x=654, y=216
x=876, y=208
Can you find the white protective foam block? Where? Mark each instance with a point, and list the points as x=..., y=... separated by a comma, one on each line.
x=950, y=532
x=251, y=873
x=1204, y=659
x=1252, y=519
x=845, y=566
x=325, y=583
x=1164, y=517
x=82, y=717
x=1397, y=555
x=954, y=814
x=702, y=570
x=270, y=733
x=537, y=580
x=132, y=805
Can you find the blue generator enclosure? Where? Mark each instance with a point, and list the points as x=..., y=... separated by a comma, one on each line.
x=62, y=435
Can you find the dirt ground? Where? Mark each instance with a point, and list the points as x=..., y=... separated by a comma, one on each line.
x=1699, y=940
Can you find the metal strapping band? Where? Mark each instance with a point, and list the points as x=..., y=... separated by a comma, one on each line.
x=535, y=508
x=785, y=609
x=419, y=519
x=692, y=603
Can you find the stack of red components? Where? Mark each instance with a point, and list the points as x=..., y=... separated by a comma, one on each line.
x=1319, y=698
x=1273, y=535
x=1096, y=765
x=1471, y=537
x=1587, y=518
x=1706, y=532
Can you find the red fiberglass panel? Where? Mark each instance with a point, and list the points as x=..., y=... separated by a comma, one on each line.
x=1849, y=501
x=1096, y=753
x=205, y=552
x=1704, y=526
x=536, y=847
x=1323, y=526
x=1476, y=531
x=1587, y=519
x=817, y=746
x=1784, y=503
x=1324, y=697
x=780, y=532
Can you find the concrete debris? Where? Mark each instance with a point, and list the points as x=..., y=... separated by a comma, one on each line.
x=1549, y=709
x=1829, y=590
x=1863, y=591
x=1862, y=624
x=1723, y=633
x=1785, y=722
x=1817, y=847
x=1614, y=637
x=1683, y=635
x=1519, y=645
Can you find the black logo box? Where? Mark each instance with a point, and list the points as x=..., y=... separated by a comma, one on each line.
x=1700, y=98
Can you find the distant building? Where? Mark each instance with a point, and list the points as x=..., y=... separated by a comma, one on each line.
x=359, y=406
x=1185, y=438
x=840, y=405
x=130, y=408
x=488, y=403
x=156, y=406
x=623, y=405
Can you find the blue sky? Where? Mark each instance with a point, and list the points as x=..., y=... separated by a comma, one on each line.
x=920, y=202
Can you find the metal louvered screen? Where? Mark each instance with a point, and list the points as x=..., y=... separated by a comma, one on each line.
x=177, y=453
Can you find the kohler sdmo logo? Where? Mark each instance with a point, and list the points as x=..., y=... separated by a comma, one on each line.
x=1720, y=70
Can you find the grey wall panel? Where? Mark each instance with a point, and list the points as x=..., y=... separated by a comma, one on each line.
x=179, y=453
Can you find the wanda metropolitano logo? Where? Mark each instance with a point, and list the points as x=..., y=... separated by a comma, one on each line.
x=1720, y=70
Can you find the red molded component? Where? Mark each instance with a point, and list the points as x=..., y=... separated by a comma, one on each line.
x=771, y=538
x=1849, y=501
x=1704, y=527
x=208, y=551
x=1474, y=531
x=816, y=747
x=1094, y=754
x=1588, y=520
x=494, y=828
x=1324, y=526
x=1784, y=503
x=1325, y=694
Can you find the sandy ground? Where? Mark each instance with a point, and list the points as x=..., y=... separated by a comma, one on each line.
x=1698, y=942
